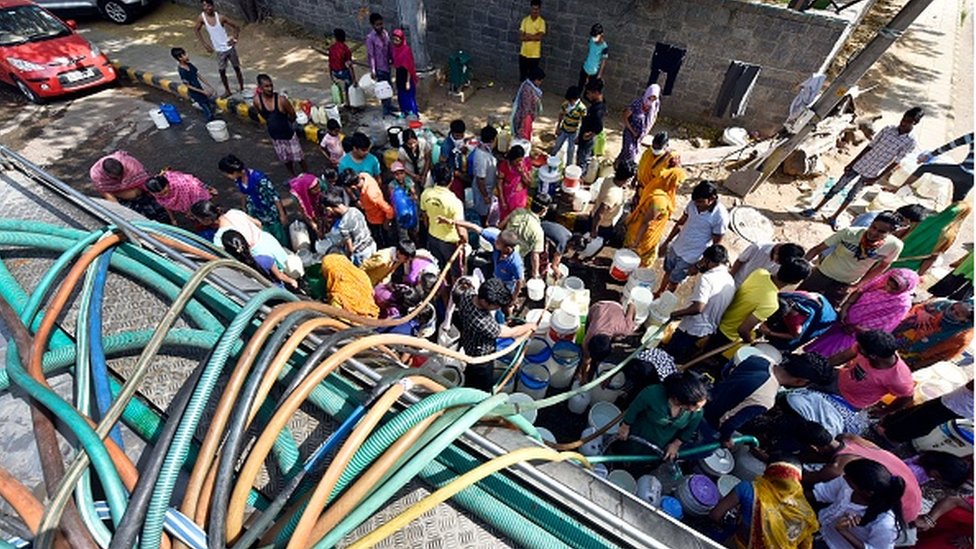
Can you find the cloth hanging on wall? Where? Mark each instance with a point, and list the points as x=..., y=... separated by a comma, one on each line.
x=809, y=90
x=667, y=59
x=733, y=96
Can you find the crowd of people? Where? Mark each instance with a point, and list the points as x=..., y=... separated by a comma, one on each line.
x=843, y=313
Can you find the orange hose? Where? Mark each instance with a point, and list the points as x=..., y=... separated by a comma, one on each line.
x=21, y=499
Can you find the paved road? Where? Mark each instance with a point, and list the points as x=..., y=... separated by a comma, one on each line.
x=68, y=135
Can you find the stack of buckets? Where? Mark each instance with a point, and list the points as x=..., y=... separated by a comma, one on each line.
x=624, y=262
x=571, y=181
x=570, y=304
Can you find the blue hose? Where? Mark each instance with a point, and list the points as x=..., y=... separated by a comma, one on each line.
x=99, y=368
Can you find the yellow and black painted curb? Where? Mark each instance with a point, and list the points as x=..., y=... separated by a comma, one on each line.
x=242, y=109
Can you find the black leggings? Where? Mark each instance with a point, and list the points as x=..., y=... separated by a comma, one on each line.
x=526, y=64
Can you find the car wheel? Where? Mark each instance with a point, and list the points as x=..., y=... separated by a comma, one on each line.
x=117, y=12
x=27, y=92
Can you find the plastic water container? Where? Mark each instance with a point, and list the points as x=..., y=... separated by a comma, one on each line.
x=298, y=236
x=499, y=372
x=578, y=403
x=503, y=142
x=366, y=84
x=159, y=119
x=624, y=263
x=552, y=280
x=747, y=466
x=172, y=115
x=592, y=172
x=641, y=278
x=937, y=380
x=572, y=177
x=593, y=447
x=726, y=483
x=393, y=134
x=649, y=490
x=536, y=288
x=537, y=351
x=772, y=353
x=698, y=494
x=521, y=398
x=581, y=199
x=555, y=296
x=641, y=298
x=335, y=91
x=613, y=389
x=660, y=310
x=563, y=326
x=525, y=144
x=718, y=463
x=218, y=130
x=672, y=507
x=331, y=112
x=547, y=178
x=533, y=380
x=623, y=480
x=562, y=364
x=954, y=437
x=574, y=284
x=745, y=352
x=602, y=413
x=357, y=97
x=546, y=435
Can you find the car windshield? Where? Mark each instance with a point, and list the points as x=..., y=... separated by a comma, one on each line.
x=21, y=24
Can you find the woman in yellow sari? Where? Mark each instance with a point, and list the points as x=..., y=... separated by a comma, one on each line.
x=646, y=224
x=773, y=512
x=654, y=160
x=347, y=286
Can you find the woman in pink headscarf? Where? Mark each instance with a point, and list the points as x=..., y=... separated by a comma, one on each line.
x=405, y=73
x=307, y=192
x=178, y=191
x=639, y=118
x=881, y=304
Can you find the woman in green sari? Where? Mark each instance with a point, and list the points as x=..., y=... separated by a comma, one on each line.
x=931, y=238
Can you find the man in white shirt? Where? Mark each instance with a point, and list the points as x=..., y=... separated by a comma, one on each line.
x=766, y=255
x=609, y=203
x=704, y=222
x=713, y=292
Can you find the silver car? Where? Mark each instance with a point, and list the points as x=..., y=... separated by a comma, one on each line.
x=118, y=11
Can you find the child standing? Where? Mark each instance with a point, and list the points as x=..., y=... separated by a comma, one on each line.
x=201, y=92
x=567, y=128
x=331, y=145
x=596, y=57
x=340, y=62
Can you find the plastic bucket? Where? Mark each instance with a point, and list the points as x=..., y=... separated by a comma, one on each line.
x=593, y=447
x=298, y=236
x=546, y=435
x=581, y=199
x=453, y=374
x=641, y=298
x=572, y=174
x=672, y=507
x=641, y=278
x=624, y=263
x=563, y=273
x=536, y=288
x=533, y=380
x=954, y=437
x=159, y=119
x=393, y=134
x=726, y=483
x=718, y=463
x=623, y=480
x=500, y=370
x=172, y=115
x=698, y=494
x=357, y=97
x=332, y=112
x=772, y=353
x=649, y=489
x=602, y=413
x=563, y=326
x=555, y=295
x=574, y=285
x=613, y=389
x=578, y=403
x=537, y=351
x=366, y=83
x=660, y=311
x=522, y=398
x=747, y=466
x=562, y=364
x=744, y=352
x=218, y=130
x=316, y=284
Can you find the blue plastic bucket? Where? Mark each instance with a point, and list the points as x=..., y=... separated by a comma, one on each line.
x=537, y=351
x=534, y=380
x=672, y=506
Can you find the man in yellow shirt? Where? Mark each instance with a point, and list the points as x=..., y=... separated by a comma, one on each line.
x=531, y=31
x=436, y=202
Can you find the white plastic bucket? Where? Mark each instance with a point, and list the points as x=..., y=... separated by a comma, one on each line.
x=536, y=288
x=718, y=463
x=555, y=296
x=581, y=199
x=579, y=402
x=563, y=326
x=592, y=171
x=563, y=363
x=366, y=83
x=641, y=298
x=772, y=353
x=613, y=389
x=533, y=380
x=623, y=480
x=500, y=370
x=331, y=113
x=546, y=435
x=727, y=483
x=553, y=162
x=954, y=437
x=747, y=466
x=563, y=273
x=521, y=398
x=574, y=284
x=298, y=236
x=525, y=144
x=593, y=447
x=624, y=263
x=218, y=130
x=745, y=352
x=572, y=176
x=158, y=118
x=937, y=380
x=641, y=278
x=602, y=413
x=662, y=307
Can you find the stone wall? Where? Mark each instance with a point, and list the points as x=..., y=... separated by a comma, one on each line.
x=788, y=45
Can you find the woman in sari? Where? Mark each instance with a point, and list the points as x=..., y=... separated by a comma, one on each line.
x=415, y=156
x=933, y=331
x=405, y=72
x=654, y=160
x=931, y=238
x=259, y=196
x=773, y=512
x=514, y=178
x=646, y=224
x=308, y=193
x=639, y=118
x=347, y=286
x=528, y=104
x=881, y=304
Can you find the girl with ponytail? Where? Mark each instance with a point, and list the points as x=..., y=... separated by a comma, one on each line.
x=864, y=507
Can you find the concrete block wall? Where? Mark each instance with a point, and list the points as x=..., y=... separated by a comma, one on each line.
x=788, y=45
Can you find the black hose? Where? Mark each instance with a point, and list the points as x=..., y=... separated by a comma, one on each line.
x=135, y=513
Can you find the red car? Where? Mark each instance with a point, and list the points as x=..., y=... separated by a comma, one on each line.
x=43, y=56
